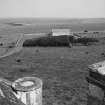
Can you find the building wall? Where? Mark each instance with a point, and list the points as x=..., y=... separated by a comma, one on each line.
x=59, y=32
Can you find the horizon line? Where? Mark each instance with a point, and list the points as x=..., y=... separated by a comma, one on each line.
x=52, y=17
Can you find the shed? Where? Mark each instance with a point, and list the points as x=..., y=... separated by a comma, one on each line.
x=59, y=32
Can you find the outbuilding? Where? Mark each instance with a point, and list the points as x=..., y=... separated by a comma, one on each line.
x=59, y=32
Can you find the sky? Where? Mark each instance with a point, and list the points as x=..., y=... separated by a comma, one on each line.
x=52, y=8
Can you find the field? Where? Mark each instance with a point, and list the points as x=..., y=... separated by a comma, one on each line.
x=62, y=69
x=9, y=26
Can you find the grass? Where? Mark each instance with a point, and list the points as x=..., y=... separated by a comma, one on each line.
x=63, y=71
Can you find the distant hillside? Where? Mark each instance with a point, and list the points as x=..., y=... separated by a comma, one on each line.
x=54, y=20
x=33, y=25
x=94, y=20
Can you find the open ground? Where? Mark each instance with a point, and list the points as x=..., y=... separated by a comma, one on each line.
x=62, y=69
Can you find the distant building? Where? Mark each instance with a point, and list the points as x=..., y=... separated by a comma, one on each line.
x=59, y=32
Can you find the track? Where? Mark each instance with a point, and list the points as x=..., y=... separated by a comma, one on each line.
x=13, y=48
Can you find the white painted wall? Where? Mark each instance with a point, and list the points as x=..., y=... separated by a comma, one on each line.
x=59, y=32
